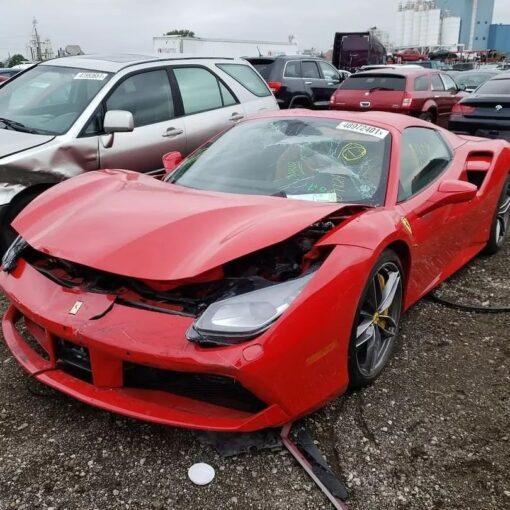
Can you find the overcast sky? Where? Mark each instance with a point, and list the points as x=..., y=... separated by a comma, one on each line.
x=129, y=25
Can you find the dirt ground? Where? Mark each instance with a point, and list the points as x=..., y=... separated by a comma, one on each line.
x=432, y=433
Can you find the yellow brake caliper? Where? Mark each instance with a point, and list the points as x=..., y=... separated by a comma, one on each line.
x=377, y=319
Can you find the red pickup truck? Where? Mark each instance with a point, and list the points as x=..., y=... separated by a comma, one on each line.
x=427, y=94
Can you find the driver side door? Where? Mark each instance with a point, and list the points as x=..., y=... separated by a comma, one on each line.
x=436, y=237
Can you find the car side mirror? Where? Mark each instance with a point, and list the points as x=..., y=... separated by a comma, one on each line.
x=118, y=121
x=171, y=161
x=461, y=87
x=448, y=193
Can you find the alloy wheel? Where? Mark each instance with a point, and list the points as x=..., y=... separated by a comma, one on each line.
x=503, y=216
x=378, y=319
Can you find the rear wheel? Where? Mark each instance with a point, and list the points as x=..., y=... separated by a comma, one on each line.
x=427, y=117
x=500, y=223
x=377, y=321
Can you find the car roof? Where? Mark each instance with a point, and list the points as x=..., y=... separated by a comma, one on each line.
x=401, y=71
x=115, y=62
x=283, y=57
x=501, y=76
x=385, y=120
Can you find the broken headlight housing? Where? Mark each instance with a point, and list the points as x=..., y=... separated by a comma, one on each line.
x=242, y=317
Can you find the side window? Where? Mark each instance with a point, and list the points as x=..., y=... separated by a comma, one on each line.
x=146, y=95
x=310, y=69
x=228, y=98
x=247, y=77
x=421, y=83
x=329, y=72
x=449, y=83
x=437, y=83
x=292, y=69
x=424, y=156
x=200, y=89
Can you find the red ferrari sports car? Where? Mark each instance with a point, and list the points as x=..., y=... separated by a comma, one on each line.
x=258, y=279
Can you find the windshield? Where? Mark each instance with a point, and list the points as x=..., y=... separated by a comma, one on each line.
x=263, y=66
x=321, y=160
x=49, y=99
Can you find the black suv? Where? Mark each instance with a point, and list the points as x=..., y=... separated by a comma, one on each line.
x=299, y=81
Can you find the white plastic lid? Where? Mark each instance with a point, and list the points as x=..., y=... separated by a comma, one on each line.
x=201, y=473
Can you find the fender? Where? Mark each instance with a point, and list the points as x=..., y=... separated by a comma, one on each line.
x=429, y=105
x=298, y=98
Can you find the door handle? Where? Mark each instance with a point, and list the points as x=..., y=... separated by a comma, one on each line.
x=308, y=82
x=236, y=117
x=331, y=83
x=171, y=132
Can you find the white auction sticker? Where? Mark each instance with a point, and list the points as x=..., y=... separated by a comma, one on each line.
x=315, y=197
x=90, y=76
x=363, y=129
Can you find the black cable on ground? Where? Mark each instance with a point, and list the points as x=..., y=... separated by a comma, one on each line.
x=468, y=308
x=33, y=376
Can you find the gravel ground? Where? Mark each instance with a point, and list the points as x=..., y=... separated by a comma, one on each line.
x=432, y=433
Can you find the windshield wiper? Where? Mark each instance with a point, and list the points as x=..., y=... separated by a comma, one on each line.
x=17, y=126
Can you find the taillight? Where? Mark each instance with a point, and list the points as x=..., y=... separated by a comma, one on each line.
x=407, y=101
x=274, y=86
x=462, y=108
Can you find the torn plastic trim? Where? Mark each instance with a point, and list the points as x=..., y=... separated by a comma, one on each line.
x=313, y=462
x=11, y=256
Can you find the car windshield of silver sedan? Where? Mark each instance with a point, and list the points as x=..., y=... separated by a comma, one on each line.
x=48, y=99
x=305, y=158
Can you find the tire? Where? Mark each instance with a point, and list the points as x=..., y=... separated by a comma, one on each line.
x=500, y=222
x=375, y=328
x=7, y=233
x=427, y=117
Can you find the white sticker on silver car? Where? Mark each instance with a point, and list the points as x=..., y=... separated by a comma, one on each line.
x=90, y=76
x=365, y=129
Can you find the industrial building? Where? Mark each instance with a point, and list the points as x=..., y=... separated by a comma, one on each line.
x=421, y=24
x=476, y=19
x=499, y=38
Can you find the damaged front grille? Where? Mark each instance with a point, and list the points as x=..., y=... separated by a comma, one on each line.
x=214, y=389
x=269, y=266
x=73, y=359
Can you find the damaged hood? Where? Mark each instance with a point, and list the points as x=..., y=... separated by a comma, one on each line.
x=132, y=224
x=12, y=142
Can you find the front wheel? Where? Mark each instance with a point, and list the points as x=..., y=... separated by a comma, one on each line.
x=501, y=222
x=377, y=321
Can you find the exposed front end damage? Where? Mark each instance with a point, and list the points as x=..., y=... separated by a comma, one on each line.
x=123, y=343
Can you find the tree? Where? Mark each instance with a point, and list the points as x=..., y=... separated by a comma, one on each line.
x=16, y=60
x=182, y=33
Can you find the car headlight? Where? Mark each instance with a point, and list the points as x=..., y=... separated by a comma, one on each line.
x=242, y=317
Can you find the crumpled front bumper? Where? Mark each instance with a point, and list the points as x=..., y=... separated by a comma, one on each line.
x=115, y=335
